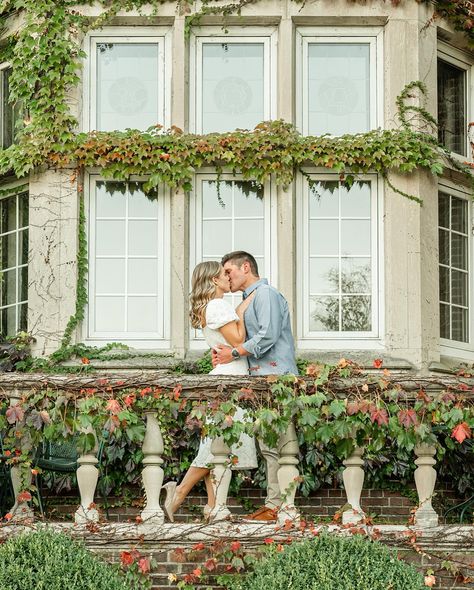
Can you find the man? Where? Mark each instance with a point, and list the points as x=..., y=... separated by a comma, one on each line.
x=269, y=347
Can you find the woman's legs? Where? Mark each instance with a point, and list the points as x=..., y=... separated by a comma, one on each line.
x=192, y=477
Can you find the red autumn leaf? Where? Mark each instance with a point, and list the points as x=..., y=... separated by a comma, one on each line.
x=364, y=406
x=235, y=546
x=211, y=564
x=14, y=414
x=197, y=572
x=461, y=432
x=85, y=361
x=199, y=547
x=24, y=496
x=422, y=395
x=177, y=392
x=463, y=386
x=129, y=400
x=113, y=406
x=144, y=565
x=378, y=363
x=379, y=415
x=448, y=397
x=127, y=558
x=8, y=516
x=352, y=408
x=407, y=417
x=268, y=541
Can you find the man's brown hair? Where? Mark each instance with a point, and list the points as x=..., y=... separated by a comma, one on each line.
x=239, y=257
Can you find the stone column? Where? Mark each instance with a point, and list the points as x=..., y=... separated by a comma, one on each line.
x=288, y=475
x=152, y=474
x=87, y=477
x=425, y=479
x=353, y=477
x=221, y=475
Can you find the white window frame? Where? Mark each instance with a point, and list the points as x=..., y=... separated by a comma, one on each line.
x=196, y=341
x=337, y=35
x=160, y=35
x=267, y=36
x=461, y=60
x=306, y=339
x=453, y=348
x=161, y=339
x=14, y=190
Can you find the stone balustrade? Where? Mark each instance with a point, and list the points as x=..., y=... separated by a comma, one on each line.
x=288, y=474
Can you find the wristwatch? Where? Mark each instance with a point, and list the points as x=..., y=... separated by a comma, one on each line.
x=235, y=354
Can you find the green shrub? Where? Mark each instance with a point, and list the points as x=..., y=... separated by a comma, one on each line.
x=46, y=560
x=331, y=563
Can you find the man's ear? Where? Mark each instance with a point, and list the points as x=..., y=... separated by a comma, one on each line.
x=245, y=267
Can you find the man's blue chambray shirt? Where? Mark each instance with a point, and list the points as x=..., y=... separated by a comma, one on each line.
x=269, y=338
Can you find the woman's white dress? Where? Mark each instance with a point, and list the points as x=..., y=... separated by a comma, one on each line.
x=219, y=313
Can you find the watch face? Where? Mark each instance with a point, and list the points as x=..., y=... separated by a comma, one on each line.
x=235, y=353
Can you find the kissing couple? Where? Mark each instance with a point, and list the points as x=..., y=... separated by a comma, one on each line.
x=254, y=339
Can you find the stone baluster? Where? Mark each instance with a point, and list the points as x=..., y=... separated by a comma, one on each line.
x=353, y=478
x=288, y=475
x=21, y=477
x=425, y=479
x=87, y=477
x=153, y=473
x=221, y=476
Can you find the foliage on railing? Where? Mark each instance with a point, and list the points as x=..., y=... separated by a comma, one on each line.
x=334, y=407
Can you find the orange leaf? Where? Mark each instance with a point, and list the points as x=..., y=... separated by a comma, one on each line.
x=461, y=432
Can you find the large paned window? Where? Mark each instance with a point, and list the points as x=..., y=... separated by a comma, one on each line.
x=455, y=263
x=10, y=113
x=232, y=81
x=14, y=261
x=339, y=81
x=339, y=258
x=126, y=80
x=453, y=99
x=128, y=264
x=235, y=215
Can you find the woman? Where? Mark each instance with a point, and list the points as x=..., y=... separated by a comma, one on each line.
x=220, y=324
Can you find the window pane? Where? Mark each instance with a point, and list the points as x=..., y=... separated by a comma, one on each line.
x=324, y=199
x=110, y=199
x=8, y=220
x=110, y=276
x=248, y=200
x=459, y=318
x=216, y=237
x=443, y=210
x=249, y=236
x=23, y=283
x=356, y=201
x=356, y=314
x=445, y=321
x=24, y=209
x=8, y=316
x=459, y=288
x=444, y=284
x=142, y=238
x=143, y=276
x=355, y=277
x=452, y=121
x=8, y=246
x=323, y=236
x=141, y=204
x=23, y=247
x=324, y=275
x=8, y=118
x=127, y=86
x=355, y=236
x=142, y=314
x=110, y=314
x=459, y=246
x=212, y=206
x=232, y=86
x=338, y=88
x=8, y=279
x=23, y=317
x=459, y=215
x=110, y=238
x=443, y=246
x=324, y=314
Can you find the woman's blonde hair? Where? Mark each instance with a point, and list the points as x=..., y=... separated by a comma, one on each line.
x=203, y=290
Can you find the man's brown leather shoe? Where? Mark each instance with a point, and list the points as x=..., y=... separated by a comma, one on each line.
x=263, y=514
